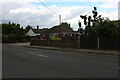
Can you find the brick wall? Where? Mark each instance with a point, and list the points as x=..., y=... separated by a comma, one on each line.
x=67, y=44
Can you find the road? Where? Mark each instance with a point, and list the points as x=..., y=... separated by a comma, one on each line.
x=23, y=62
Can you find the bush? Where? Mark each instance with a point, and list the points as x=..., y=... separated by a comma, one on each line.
x=54, y=38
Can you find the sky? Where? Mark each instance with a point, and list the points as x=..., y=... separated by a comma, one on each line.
x=32, y=12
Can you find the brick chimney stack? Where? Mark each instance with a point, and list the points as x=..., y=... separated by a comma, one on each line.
x=37, y=27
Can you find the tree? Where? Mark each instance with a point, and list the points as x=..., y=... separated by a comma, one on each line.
x=84, y=17
x=28, y=28
x=13, y=32
x=65, y=24
x=81, y=31
x=80, y=28
x=100, y=26
x=105, y=28
x=10, y=28
x=95, y=13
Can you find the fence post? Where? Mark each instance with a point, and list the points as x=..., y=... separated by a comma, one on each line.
x=78, y=41
x=98, y=42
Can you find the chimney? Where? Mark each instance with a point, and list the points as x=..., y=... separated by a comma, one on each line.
x=37, y=27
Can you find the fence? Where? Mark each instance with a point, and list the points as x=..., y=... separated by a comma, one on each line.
x=85, y=42
x=109, y=43
x=88, y=42
x=104, y=43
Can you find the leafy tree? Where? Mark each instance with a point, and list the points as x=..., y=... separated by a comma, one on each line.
x=28, y=28
x=88, y=20
x=13, y=31
x=87, y=23
x=85, y=19
x=95, y=13
x=105, y=28
x=22, y=31
x=10, y=28
x=100, y=26
x=80, y=28
x=81, y=31
x=65, y=24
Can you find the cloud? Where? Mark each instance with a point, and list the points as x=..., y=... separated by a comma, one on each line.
x=119, y=10
x=27, y=14
x=73, y=11
x=23, y=1
x=110, y=15
x=17, y=1
x=80, y=0
x=111, y=4
x=22, y=10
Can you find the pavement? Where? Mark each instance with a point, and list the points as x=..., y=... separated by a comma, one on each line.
x=108, y=52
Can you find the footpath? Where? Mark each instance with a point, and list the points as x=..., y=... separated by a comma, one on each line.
x=107, y=52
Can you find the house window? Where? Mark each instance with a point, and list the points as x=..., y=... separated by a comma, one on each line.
x=73, y=35
x=69, y=35
x=56, y=34
x=64, y=35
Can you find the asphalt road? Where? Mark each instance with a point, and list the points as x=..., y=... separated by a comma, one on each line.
x=22, y=62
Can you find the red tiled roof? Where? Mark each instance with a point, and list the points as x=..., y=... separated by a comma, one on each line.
x=55, y=29
x=58, y=29
x=40, y=30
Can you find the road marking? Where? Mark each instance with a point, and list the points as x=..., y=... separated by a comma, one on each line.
x=39, y=55
x=42, y=55
x=118, y=68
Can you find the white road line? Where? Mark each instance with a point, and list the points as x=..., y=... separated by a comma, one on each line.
x=38, y=55
x=42, y=55
x=118, y=67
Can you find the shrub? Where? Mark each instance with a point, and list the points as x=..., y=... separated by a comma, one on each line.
x=54, y=38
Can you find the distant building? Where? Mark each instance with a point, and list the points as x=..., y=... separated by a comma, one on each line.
x=56, y=31
x=32, y=33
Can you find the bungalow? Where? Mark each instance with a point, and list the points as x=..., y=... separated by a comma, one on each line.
x=32, y=33
x=56, y=31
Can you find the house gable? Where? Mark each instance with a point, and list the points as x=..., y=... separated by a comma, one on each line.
x=31, y=33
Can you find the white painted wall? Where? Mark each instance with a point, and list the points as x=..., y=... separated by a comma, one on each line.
x=31, y=33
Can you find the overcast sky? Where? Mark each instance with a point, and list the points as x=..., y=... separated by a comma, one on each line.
x=32, y=12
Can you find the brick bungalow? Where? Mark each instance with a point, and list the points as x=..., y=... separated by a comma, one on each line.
x=62, y=32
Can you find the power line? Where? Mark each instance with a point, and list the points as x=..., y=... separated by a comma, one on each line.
x=47, y=7
x=51, y=11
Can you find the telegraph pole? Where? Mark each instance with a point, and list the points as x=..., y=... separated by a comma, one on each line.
x=51, y=11
x=79, y=23
x=59, y=19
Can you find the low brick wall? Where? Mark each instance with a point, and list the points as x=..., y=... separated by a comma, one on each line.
x=66, y=44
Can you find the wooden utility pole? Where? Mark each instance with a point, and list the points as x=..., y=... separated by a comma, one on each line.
x=98, y=42
x=79, y=41
x=59, y=19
